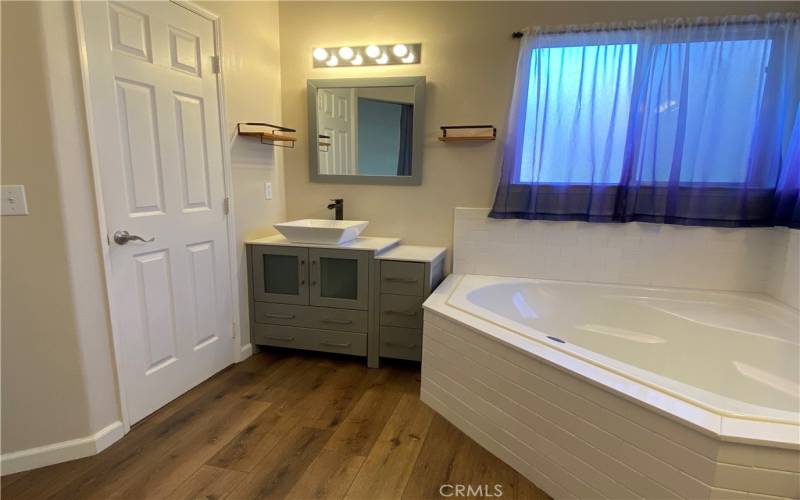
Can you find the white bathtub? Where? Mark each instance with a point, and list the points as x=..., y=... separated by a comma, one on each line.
x=632, y=391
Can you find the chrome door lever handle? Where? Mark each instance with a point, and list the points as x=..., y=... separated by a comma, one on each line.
x=122, y=237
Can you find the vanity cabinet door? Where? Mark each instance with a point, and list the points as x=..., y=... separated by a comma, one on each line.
x=280, y=274
x=339, y=278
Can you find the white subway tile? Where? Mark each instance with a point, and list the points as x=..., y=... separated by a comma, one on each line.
x=764, y=481
x=634, y=253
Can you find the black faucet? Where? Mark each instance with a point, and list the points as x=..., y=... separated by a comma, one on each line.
x=338, y=205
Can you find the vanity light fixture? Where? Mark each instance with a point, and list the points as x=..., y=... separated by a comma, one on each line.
x=367, y=55
x=320, y=54
x=400, y=50
x=346, y=53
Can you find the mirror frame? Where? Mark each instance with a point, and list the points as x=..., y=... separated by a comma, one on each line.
x=415, y=179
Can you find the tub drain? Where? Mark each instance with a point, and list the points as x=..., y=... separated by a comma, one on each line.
x=556, y=339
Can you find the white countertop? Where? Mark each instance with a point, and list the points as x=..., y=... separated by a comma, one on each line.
x=369, y=243
x=412, y=253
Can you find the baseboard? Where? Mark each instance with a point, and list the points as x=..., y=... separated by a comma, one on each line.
x=50, y=454
x=246, y=352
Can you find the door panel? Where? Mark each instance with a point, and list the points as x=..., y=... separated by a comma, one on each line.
x=158, y=308
x=141, y=158
x=280, y=274
x=130, y=31
x=193, y=161
x=154, y=115
x=339, y=278
x=337, y=119
x=184, y=51
x=203, y=284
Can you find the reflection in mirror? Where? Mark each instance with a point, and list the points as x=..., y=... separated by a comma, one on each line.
x=369, y=131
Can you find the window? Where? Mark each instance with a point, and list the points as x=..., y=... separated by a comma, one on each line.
x=577, y=96
x=677, y=121
x=579, y=111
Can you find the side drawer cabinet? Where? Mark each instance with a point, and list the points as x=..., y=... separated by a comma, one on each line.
x=408, y=274
x=403, y=278
x=401, y=343
x=401, y=310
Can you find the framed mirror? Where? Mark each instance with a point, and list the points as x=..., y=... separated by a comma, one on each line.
x=368, y=130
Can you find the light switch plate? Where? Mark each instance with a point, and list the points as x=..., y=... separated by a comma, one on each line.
x=13, y=200
x=267, y=190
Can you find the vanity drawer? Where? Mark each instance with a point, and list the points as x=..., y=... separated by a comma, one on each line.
x=310, y=339
x=402, y=278
x=401, y=343
x=401, y=310
x=325, y=318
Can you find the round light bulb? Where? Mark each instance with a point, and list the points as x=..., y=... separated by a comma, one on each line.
x=320, y=54
x=357, y=60
x=333, y=61
x=383, y=59
x=409, y=58
x=400, y=50
x=346, y=53
x=373, y=51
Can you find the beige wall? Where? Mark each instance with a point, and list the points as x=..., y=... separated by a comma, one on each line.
x=58, y=380
x=251, y=68
x=44, y=396
x=469, y=59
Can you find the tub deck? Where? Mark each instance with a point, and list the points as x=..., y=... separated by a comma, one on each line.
x=578, y=427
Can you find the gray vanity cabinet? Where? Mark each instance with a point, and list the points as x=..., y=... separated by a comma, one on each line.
x=315, y=297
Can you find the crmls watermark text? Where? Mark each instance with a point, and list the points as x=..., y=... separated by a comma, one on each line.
x=471, y=490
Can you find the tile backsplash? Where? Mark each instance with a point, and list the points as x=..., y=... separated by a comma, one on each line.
x=634, y=253
x=784, y=276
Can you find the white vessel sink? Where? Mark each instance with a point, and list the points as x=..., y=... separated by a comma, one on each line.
x=321, y=231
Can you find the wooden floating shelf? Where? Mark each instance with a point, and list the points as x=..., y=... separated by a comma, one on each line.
x=268, y=136
x=468, y=138
x=325, y=142
x=271, y=137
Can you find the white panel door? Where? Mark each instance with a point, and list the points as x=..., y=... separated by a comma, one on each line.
x=152, y=96
x=336, y=115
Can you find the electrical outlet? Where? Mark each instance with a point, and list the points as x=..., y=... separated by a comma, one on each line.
x=13, y=202
x=267, y=190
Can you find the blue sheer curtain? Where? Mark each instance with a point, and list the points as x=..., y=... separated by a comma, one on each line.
x=406, y=139
x=685, y=122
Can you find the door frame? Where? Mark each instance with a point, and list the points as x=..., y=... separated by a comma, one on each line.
x=105, y=244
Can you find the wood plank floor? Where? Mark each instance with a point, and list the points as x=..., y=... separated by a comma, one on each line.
x=285, y=424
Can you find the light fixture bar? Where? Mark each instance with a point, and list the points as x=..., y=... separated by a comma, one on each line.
x=367, y=55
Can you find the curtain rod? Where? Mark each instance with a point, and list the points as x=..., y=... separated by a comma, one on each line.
x=698, y=22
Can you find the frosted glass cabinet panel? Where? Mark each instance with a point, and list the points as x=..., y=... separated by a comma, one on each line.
x=339, y=278
x=280, y=274
x=311, y=276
